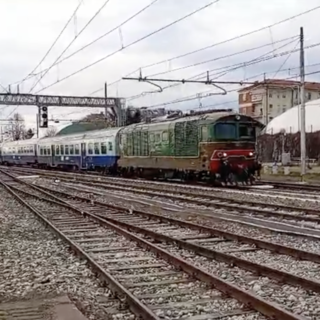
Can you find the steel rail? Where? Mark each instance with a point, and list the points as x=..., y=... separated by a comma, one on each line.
x=269, y=309
x=211, y=253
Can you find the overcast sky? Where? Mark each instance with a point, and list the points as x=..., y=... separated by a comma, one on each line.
x=29, y=28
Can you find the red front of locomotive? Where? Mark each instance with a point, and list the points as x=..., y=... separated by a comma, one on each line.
x=233, y=157
x=235, y=164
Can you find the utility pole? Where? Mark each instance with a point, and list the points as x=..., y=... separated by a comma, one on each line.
x=303, y=107
x=37, y=120
x=106, y=97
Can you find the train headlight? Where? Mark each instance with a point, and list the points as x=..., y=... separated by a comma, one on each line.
x=222, y=155
x=250, y=154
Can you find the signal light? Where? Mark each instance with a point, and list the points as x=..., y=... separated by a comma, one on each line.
x=43, y=117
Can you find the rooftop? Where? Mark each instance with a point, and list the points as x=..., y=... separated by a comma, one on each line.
x=282, y=83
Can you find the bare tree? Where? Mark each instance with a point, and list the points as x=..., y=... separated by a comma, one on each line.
x=16, y=127
x=29, y=134
x=51, y=132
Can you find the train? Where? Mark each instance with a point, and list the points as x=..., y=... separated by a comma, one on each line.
x=214, y=147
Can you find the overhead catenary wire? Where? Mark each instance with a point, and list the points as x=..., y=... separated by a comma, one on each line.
x=286, y=59
x=229, y=68
x=70, y=44
x=212, y=45
x=102, y=36
x=194, y=96
x=132, y=43
x=55, y=41
x=221, y=57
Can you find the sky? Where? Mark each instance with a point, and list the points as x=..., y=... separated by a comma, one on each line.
x=29, y=28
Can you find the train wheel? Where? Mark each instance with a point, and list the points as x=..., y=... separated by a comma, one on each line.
x=232, y=179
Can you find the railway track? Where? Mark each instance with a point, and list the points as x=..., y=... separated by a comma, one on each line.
x=181, y=236
x=293, y=186
x=95, y=176
x=136, y=274
x=290, y=214
x=219, y=206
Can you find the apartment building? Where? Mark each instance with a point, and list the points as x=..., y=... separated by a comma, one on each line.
x=267, y=99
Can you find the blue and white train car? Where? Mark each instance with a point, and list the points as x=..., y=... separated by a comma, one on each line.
x=21, y=152
x=91, y=150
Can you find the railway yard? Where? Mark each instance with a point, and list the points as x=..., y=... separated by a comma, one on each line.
x=130, y=249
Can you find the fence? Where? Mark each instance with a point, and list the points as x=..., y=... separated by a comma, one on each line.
x=271, y=146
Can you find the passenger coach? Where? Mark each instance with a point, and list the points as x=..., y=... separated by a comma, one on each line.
x=95, y=150
x=21, y=152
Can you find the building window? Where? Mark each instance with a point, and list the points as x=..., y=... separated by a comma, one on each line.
x=284, y=96
x=309, y=95
x=270, y=95
x=270, y=106
x=278, y=96
x=244, y=96
x=260, y=111
x=284, y=109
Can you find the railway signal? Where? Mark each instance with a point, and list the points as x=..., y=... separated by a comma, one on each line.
x=43, y=117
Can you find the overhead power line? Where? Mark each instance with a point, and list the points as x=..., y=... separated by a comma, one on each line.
x=131, y=44
x=213, y=45
x=69, y=45
x=227, y=69
x=233, y=38
x=54, y=42
x=287, y=58
x=221, y=57
x=196, y=96
x=101, y=37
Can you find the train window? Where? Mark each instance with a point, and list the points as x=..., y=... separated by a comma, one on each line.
x=110, y=146
x=61, y=150
x=57, y=150
x=66, y=150
x=151, y=137
x=49, y=151
x=76, y=149
x=103, y=148
x=44, y=151
x=204, y=133
x=165, y=136
x=71, y=149
x=90, y=148
x=96, y=148
x=157, y=137
x=247, y=132
x=225, y=131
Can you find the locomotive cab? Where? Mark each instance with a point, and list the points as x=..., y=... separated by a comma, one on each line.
x=233, y=156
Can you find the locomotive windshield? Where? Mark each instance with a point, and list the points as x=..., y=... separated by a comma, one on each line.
x=247, y=132
x=234, y=131
x=225, y=131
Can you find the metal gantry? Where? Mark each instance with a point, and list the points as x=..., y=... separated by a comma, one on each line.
x=19, y=99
